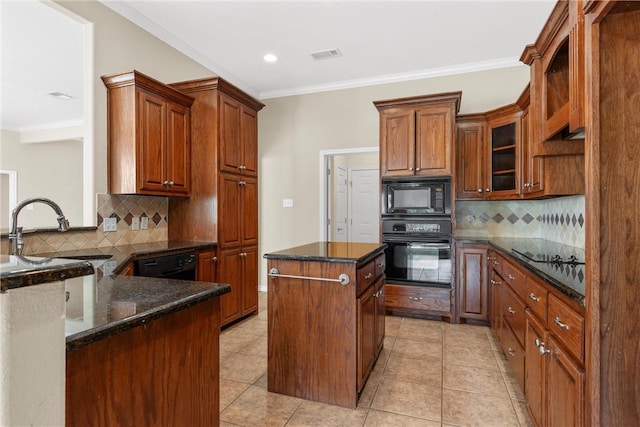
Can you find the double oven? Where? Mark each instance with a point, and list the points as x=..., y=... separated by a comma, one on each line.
x=416, y=226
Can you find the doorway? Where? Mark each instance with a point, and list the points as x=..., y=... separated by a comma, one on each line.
x=350, y=195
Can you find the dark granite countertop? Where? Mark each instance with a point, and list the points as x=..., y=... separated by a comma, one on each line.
x=568, y=279
x=117, y=257
x=101, y=307
x=21, y=271
x=330, y=252
x=104, y=304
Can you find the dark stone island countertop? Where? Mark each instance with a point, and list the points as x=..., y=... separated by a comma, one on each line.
x=101, y=303
x=343, y=252
x=568, y=279
x=109, y=305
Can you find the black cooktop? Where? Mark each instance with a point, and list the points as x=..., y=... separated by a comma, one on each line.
x=545, y=251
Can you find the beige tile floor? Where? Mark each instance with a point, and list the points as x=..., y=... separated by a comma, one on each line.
x=429, y=374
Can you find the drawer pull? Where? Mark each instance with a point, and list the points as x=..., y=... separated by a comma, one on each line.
x=381, y=265
x=533, y=297
x=560, y=324
x=511, y=310
x=415, y=298
x=511, y=352
x=511, y=277
x=368, y=276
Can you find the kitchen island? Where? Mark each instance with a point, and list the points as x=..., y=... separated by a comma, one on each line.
x=143, y=351
x=326, y=319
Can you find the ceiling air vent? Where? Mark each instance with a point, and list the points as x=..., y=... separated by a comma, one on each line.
x=325, y=54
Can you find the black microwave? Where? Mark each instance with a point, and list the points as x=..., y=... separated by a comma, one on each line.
x=416, y=197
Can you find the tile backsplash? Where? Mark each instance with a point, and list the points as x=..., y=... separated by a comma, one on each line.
x=559, y=219
x=122, y=207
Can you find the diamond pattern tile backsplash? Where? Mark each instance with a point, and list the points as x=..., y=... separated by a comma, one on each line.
x=559, y=219
x=122, y=207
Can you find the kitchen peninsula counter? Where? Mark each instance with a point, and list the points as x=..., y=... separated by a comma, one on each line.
x=325, y=319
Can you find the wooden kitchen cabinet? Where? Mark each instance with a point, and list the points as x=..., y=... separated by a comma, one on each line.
x=558, y=82
x=238, y=197
x=471, y=282
x=238, y=267
x=238, y=137
x=503, y=157
x=207, y=264
x=471, y=161
x=149, y=136
x=417, y=135
x=223, y=207
x=535, y=378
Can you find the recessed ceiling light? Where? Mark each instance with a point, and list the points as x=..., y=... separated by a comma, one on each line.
x=270, y=57
x=60, y=95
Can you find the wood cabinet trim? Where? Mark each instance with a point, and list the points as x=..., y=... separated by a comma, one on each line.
x=218, y=83
x=136, y=78
x=422, y=100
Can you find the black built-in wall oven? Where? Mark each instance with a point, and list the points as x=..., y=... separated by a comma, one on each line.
x=416, y=226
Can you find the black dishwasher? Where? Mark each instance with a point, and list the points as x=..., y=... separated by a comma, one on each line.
x=180, y=266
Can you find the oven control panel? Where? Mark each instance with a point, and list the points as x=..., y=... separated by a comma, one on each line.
x=421, y=228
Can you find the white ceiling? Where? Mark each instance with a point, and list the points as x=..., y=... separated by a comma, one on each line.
x=380, y=42
x=41, y=53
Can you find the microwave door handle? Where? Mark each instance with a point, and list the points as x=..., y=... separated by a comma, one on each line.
x=431, y=245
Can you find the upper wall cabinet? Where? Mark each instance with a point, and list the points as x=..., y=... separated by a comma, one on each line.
x=149, y=136
x=417, y=134
x=557, y=82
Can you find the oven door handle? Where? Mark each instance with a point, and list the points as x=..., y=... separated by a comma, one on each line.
x=407, y=239
x=431, y=245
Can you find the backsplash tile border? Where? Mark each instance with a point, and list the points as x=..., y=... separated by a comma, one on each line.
x=558, y=219
x=121, y=207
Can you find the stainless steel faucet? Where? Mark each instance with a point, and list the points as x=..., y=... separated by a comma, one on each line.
x=15, y=233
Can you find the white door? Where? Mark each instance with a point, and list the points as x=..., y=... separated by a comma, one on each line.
x=364, y=206
x=340, y=206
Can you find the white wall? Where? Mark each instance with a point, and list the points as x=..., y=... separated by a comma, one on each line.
x=43, y=170
x=293, y=131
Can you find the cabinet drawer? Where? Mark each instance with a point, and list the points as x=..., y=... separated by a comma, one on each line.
x=515, y=278
x=380, y=265
x=514, y=353
x=568, y=326
x=536, y=299
x=513, y=312
x=417, y=298
x=366, y=276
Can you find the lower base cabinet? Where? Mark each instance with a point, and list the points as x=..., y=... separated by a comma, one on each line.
x=370, y=329
x=239, y=268
x=554, y=386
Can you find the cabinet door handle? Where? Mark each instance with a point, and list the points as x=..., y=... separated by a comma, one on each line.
x=511, y=310
x=171, y=183
x=557, y=321
x=411, y=168
x=488, y=190
x=541, y=349
x=165, y=182
x=242, y=167
x=533, y=297
x=214, y=259
x=479, y=190
x=511, y=352
x=242, y=183
x=415, y=298
x=368, y=276
x=511, y=277
x=417, y=169
x=381, y=265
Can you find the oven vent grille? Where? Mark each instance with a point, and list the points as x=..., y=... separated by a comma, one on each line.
x=326, y=54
